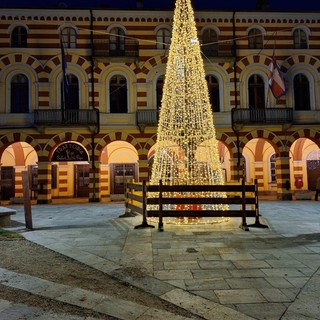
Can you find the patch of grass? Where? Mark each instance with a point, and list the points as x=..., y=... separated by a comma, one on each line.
x=5, y=234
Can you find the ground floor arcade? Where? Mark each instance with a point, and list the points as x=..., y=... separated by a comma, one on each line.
x=76, y=165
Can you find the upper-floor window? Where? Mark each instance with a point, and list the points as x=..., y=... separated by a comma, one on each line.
x=117, y=41
x=256, y=92
x=118, y=94
x=255, y=39
x=159, y=90
x=70, y=98
x=210, y=46
x=69, y=37
x=300, y=39
x=19, y=37
x=163, y=38
x=19, y=94
x=213, y=87
x=301, y=89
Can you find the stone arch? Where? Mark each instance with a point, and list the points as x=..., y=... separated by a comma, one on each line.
x=228, y=142
x=311, y=134
x=14, y=137
x=72, y=59
x=300, y=58
x=21, y=58
x=153, y=62
x=250, y=60
x=64, y=137
x=115, y=136
x=271, y=137
x=143, y=152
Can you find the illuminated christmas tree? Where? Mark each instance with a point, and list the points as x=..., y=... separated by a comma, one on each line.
x=186, y=150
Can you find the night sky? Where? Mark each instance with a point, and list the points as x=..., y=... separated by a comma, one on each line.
x=283, y=5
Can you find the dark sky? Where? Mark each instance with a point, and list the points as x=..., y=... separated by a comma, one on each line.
x=286, y=5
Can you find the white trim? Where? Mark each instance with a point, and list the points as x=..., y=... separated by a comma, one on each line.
x=216, y=30
x=302, y=27
x=17, y=24
x=257, y=26
x=116, y=25
x=67, y=25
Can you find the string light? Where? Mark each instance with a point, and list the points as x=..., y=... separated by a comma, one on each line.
x=186, y=152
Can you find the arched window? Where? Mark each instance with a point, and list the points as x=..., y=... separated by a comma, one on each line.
x=159, y=90
x=213, y=87
x=256, y=92
x=69, y=37
x=118, y=94
x=301, y=92
x=163, y=38
x=20, y=94
x=272, y=166
x=210, y=43
x=19, y=37
x=71, y=98
x=300, y=39
x=255, y=39
x=117, y=42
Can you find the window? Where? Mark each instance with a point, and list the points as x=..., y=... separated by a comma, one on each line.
x=118, y=94
x=19, y=37
x=69, y=37
x=71, y=99
x=163, y=38
x=256, y=92
x=273, y=172
x=159, y=90
x=117, y=41
x=301, y=92
x=20, y=94
x=255, y=39
x=300, y=39
x=210, y=43
x=213, y=87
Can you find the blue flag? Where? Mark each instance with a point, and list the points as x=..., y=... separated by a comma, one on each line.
x=64, y=68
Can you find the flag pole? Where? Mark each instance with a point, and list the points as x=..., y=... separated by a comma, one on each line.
x=64, y=79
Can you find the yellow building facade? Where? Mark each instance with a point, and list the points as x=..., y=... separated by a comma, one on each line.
x=85, y=141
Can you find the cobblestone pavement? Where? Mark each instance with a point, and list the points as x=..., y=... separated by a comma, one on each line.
x=215, y=270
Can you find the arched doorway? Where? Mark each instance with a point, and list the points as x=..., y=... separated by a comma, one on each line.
x=70, y=171
x=120, y=162
x=18, y=157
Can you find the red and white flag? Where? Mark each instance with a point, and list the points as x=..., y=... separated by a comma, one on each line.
x=276, y=80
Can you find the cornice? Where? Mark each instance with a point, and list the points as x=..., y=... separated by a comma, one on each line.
x=110, y=15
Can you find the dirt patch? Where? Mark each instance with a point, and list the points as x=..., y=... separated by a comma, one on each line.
x=25, y=257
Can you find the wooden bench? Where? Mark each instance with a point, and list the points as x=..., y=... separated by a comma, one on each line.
x=5, y=216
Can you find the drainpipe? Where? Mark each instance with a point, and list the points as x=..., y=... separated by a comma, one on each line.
x=234, y=50
x=94, y=199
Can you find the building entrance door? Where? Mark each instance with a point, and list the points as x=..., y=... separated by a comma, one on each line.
x=120, y=172
x=7, y=183
x=82, y=180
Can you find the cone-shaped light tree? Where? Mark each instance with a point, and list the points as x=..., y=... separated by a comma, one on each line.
x=186, y=150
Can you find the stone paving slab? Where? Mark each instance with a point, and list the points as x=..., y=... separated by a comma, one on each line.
x=216, y=270
x=18, y=311
x=121, y=309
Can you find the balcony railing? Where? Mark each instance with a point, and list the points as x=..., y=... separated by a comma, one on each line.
x=224, y=49
x=109, y=48
x=66, y=117
x=147, y=118
x=262, y=116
